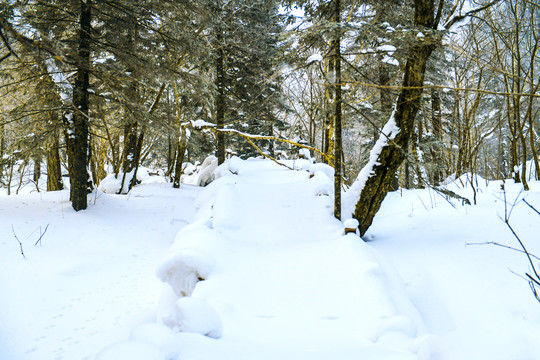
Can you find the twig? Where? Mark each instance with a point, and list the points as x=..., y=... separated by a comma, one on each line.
x=533, y=283
x=20, y=243
x=532, y=207
x=42, y=234
x=502, y=245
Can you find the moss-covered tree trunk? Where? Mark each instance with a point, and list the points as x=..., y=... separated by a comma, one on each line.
x=392, y=153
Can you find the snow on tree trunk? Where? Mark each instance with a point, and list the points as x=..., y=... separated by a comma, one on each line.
x=373, y=182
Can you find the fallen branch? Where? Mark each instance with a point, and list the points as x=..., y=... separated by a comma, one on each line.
x=248, y=137
x=20, y=243
x=449, y=193
x=266, y=155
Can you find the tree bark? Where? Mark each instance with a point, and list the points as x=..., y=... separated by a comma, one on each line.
x=79, y=135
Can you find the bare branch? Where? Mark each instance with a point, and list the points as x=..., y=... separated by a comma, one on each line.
x=41, y=236
x=20, y=243
x=533, y=282
x=532, y=207
x=455, y=19
x=502, y=245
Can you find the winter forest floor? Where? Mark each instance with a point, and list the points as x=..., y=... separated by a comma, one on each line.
x=280, y=278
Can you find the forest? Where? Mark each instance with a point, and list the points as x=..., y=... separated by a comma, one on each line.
x=391, y=94
x=269, y=179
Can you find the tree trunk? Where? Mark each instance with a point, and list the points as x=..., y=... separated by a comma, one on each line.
x=2, y=147
x=54, y=171
x=180, y=152
x=138, y=153
x=79, y=135
x=338, y=149
x=390, y=156
x=436, y=148
x=130, y=147
x=220, y=101
x=37, y=169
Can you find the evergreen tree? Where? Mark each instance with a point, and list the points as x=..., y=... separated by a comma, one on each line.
x=245, y=40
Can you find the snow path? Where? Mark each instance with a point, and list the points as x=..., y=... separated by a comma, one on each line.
x=311, y=292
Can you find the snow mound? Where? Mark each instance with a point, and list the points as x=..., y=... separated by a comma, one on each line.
x=194, y=315
x=206, y=172
x=231, y=166
x=322, y=168
x=158, y=336
x=183, y=269
x=130, y=350
x=322, y=185
x=111, y=183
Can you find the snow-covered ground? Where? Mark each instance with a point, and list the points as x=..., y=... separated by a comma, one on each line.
x=254, y=266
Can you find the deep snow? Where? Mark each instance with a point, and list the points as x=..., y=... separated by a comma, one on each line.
x=280, y=278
